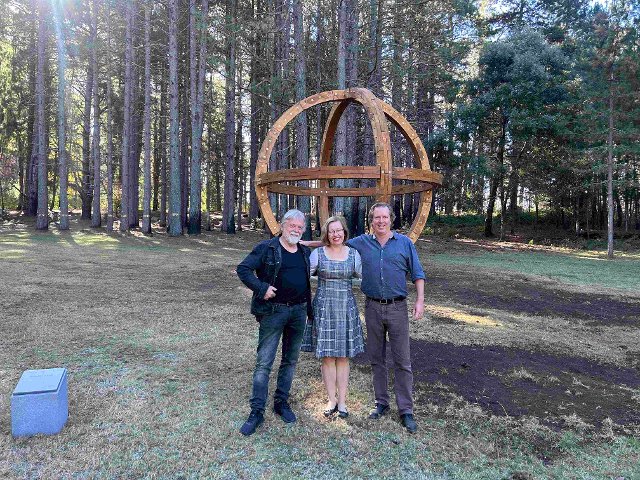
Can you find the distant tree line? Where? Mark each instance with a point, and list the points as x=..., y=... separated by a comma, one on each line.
x=133, y=108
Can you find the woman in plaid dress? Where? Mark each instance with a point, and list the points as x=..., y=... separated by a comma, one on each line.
x=336, y=333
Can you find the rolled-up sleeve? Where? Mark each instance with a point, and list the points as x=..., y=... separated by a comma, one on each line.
x=415, y=267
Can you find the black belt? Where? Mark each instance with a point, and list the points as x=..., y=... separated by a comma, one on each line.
x=386, y=301
x=290, y=304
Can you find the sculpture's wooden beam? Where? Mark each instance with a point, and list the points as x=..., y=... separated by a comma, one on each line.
x=322, y=192
x=315, y=173
x=418, y=175
x=410, y=188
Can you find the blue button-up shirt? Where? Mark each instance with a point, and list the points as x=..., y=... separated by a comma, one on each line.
x=385, y=269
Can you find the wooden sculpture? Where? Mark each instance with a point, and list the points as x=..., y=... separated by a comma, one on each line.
x=378, y=112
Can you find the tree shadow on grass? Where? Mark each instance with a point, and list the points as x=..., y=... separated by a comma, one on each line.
x=530, y=298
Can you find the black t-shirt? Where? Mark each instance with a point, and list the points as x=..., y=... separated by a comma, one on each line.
x=292, y=280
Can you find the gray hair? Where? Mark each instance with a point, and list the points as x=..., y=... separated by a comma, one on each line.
x=294, y=214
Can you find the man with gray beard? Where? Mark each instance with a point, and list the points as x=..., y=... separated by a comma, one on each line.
x=277, y=271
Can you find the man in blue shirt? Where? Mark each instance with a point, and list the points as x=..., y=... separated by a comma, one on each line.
x=387, y=258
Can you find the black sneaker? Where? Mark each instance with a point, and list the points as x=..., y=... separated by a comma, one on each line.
x=379, y=411
x=283, y=409
x=408, y=422
x=253, y=422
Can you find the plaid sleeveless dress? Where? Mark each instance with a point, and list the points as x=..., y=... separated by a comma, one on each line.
x=336, y=330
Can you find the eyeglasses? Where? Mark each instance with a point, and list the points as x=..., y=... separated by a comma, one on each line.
x=335, y=232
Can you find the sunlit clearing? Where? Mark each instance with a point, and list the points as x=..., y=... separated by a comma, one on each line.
x=11, y=254
x=88, y=239
x=460, y=316
x=14, y=240
x=602, y=255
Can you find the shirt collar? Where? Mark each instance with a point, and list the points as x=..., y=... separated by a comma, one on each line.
x=393, y=235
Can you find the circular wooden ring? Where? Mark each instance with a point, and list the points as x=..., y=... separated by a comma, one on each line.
x=378, y=112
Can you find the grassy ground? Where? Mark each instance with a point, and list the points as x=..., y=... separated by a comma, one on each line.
x=159, y=344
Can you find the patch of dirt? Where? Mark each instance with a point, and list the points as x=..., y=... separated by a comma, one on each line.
x=526, y=297
x=561, y=391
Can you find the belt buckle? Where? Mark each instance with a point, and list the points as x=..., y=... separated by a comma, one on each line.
x=386, y=301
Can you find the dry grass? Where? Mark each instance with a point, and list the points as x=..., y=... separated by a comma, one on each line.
x=159, y=344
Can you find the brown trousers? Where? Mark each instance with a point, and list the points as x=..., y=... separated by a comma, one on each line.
x=391, y=319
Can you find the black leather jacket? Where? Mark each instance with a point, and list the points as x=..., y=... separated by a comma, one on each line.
x=260, y=269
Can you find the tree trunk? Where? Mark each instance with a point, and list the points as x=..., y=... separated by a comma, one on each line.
x=478, y=185
x=157, y=161
x=409, y=111
x=228, y=223
x=281, y=73
x=496, y=180
x=21, y=177
x=239, y=162
x=137, y=102
x=197, y=120
x=175, y=223
x=374, y=83
x=209, y=182
x=340, y=152
x=30, y=186
x=218, y=174
x=276, y=97
x=302, y=141
x=396, y=100
x=319, y=125
x=514, y=184
x=42, y=219
x=375, y=47
x=126, y=126
x=163, y=151
x=256, y=108
x=503, y=207
x=110, y=212
x=256, y=104
x=610, y=171
x=493, y=190
x=96, y=215
x=184, y=160
x=350, y=114
x=146, y=125
x=86, y=191
x=62, y=154
x=54, y=183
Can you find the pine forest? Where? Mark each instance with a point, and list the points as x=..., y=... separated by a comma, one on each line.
x=132, y=112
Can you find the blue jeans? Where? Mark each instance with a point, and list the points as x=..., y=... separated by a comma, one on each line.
x=288, y=323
